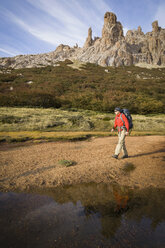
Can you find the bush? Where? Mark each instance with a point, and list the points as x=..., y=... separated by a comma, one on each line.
x=90, y=88
x=67, y=163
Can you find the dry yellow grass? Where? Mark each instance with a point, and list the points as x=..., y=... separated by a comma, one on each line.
x=21, y=124
x=38, y=135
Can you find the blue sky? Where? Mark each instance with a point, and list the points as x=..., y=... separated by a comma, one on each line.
x=39, y=26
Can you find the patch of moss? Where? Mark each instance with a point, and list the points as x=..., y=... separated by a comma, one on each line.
x=67, y=163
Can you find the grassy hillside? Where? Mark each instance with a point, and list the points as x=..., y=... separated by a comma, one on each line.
x=20, y=124
x=93, y=87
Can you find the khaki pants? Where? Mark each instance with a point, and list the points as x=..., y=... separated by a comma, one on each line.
x=121, y=143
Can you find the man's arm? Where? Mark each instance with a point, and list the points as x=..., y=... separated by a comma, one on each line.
x=115, y=125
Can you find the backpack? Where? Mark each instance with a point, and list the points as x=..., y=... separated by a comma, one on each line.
x=128, y=116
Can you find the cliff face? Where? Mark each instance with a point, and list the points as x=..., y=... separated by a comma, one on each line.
x=112, y=49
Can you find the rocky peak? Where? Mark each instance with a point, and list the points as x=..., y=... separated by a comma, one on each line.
x=89, y=40
x=110, y=18
x=62, y=48
x=155, y=27
x=134, y=36
x=139, y=30
x=112, y=30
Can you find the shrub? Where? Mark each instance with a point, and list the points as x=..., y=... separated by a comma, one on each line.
x=90, y=88
x=67, y=163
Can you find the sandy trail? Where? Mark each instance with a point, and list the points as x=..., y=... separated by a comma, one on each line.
x=23, y=166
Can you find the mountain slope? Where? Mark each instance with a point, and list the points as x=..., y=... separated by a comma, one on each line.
x=89, y=87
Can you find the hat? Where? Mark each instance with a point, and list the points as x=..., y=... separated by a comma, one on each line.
x=118, y=109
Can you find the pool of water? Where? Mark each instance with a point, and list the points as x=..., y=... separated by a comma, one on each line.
x=84, y=215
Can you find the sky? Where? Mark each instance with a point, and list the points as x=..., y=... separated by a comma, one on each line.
x=39, y=26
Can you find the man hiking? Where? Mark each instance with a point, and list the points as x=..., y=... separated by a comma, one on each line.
x=122, y=125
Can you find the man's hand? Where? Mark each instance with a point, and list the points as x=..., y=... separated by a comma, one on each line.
x=127, y=133
x=112, y=130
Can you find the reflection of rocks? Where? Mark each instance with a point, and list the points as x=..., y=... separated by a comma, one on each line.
x=112, y=49
x=110, y=225
x=145, y=203
x=109, y=202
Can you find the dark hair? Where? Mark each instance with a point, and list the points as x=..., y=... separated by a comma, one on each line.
x=118, y=109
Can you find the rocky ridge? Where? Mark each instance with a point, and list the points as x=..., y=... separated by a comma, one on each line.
x=112, y=49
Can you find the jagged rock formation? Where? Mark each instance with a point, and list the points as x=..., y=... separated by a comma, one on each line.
x=89, y=40
x=112, y=30
x=112, y=49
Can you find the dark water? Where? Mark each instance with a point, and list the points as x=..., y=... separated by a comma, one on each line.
x=86, y=215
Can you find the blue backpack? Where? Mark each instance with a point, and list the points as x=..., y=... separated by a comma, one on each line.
x=128, y=116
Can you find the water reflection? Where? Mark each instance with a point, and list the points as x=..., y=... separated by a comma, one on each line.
x=112, y=202
x=86, y=215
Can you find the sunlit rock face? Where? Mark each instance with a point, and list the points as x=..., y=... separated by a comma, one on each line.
x=112, y=30
x=89, y=40
x=111, y=49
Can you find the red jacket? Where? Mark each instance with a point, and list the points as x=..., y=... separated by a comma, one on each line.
x=119, y=123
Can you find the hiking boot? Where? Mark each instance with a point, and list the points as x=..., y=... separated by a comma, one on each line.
x=124, y=156
x=115, y=156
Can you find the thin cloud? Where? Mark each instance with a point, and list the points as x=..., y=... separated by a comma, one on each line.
x=9, y=52
x=70, y=25
x=160, y=16
x=101, y=6
x=75, y=21
x=43, y=31
x=58, y=10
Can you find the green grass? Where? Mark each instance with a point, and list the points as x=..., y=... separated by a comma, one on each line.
x=67, y=163
x=39, y=119
x=23, y=124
